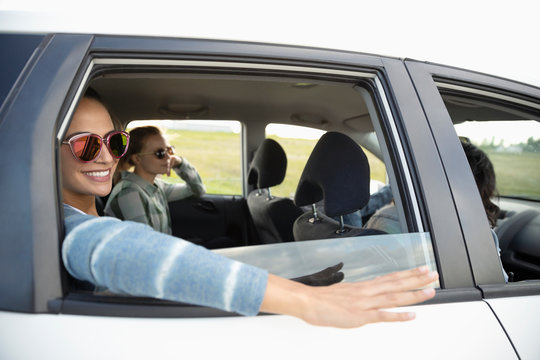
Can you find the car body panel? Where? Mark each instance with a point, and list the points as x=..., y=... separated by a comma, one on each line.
x=266, y=337
x=515, y=313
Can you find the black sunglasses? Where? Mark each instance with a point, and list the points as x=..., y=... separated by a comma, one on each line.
x=160, y=154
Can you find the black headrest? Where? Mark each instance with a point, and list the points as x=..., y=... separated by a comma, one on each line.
x=268, y=166
x=337, y=172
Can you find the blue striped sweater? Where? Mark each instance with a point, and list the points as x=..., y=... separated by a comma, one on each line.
x=131, y=258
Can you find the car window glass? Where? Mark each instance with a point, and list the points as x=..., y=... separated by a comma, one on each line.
x=212, y=147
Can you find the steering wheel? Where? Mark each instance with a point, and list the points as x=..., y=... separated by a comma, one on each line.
x=519, y=243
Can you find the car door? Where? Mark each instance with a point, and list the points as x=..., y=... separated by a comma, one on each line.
x=457, y=324
x=504, y=115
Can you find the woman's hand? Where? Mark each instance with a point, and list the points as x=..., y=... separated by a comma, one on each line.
x=348, y=305
x=175, y=161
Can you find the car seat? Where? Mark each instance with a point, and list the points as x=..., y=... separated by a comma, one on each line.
x=337, y=172
x=273, y=216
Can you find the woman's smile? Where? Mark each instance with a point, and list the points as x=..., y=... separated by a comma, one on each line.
x=99, y=175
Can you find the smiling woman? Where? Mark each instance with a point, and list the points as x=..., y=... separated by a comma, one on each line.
x=88, y=174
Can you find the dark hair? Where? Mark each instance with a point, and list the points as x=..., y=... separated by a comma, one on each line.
x=92, y=94
x=484, y=175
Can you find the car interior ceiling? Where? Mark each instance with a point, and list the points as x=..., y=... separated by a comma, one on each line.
x=306, y=102
x=464, y=108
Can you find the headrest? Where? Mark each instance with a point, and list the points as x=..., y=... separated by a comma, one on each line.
x=337, y=172
x=268, y=166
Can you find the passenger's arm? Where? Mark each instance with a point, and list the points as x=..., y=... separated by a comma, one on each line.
x=193, y=184
x=131, y=258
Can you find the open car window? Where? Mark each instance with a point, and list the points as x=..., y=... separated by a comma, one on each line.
x=218, y=121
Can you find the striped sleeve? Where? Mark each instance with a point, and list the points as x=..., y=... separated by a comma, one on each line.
x=193, y=185
x=131, y=258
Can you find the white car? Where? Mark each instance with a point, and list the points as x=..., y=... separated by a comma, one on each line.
x=407, y=115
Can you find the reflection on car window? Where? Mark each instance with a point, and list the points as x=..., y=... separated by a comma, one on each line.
x=363, y=257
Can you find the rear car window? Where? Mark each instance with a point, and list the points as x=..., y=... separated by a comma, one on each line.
x=213, y=147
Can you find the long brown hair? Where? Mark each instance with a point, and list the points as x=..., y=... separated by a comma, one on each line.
x=484, y=175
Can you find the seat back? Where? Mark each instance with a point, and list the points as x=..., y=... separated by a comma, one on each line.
x=336, y=173
x=273, y=216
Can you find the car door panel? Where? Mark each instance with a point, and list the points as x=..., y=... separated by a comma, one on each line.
x=519, y=315
x=469, y=331
x=211, y=217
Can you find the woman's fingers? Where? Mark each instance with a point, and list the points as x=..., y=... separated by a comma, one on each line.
x=396, y=299
x=400, y=281
x=388, y=316
x=348, y=305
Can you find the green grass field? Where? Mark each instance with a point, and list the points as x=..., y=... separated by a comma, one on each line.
x=216, y=155
x=517, y=174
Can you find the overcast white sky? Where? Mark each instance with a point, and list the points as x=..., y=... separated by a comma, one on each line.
x=497, y=37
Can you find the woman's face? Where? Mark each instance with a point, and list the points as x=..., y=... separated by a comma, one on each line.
x=92, y=178
x=148, y=163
